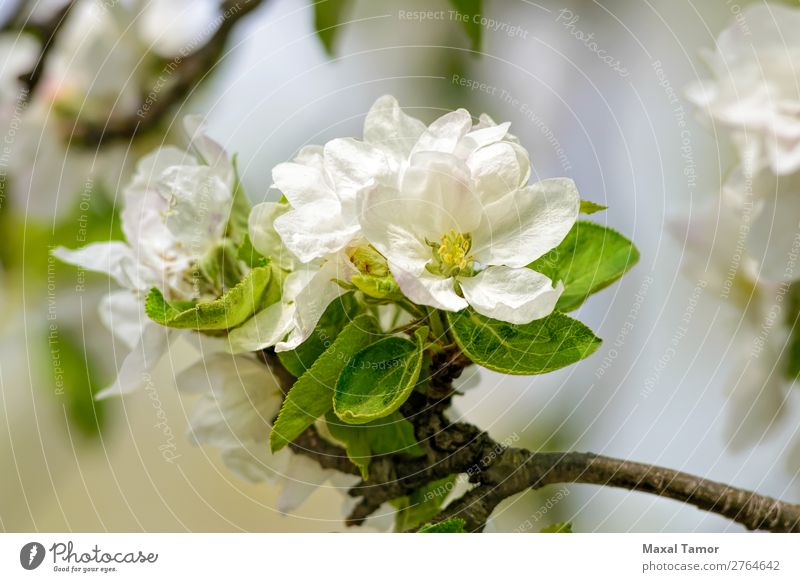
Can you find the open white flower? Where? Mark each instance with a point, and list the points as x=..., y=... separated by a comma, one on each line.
x=454, y=240
x=324, y=184
x=240, y=399
x=754, y=91
x=176, y=210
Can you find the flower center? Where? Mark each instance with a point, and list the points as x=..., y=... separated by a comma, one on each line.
x=451, y=254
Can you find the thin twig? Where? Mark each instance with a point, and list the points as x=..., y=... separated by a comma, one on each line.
x=47, y=33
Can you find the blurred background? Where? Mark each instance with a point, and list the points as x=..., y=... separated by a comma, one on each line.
x=593, y=89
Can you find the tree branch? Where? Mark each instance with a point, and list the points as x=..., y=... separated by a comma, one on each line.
x=518, y=470
x=499, y=472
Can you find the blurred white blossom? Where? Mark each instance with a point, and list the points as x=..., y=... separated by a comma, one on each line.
x=754, y=91
x=176, y=210
x=239, y=400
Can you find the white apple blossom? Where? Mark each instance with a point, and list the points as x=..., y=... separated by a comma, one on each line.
x=323, y=184
x=453, y=240
x=446, y=204
x=754, y=91
x=240, y=399
x=176, y=211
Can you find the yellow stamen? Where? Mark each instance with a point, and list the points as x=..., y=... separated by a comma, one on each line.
x=454, y=250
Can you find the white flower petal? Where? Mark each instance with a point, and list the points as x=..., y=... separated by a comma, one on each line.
x=242, y=400
x=444, y=134
x=524, y=225
x=272, y=324
x=513, y=295
x=263, y=330
x=253, y=462
x=139, y=364
x=387, y=126
x=212, y=153
x=122, y=312
x=312, y=301
x=499, y=169
x=302, y=184
x=440, y=187
x=429, y=289
x=352, y=165
x=389, y=221
x=481, y=137
x=115, y=259
x=301, y=480
x=316, y=230
x=199, y=206
x=263, y=236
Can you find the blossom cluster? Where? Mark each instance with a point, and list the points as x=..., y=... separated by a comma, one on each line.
x=413, y=219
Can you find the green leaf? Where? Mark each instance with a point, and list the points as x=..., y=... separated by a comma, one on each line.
x=469, y=10
x=74, y=381
x=589, y=207
x=560, y=527
x=232, y=309
x=423, y=504
x=249, y=255
x=312, y=395
x=452, y=525
x=328, y=15
x=337, y=315
x=589, y=259
x=236, y=229
x=391, y=435
x=538, y=347
x=793, y=321
x=379, y=379
x=220, y=267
